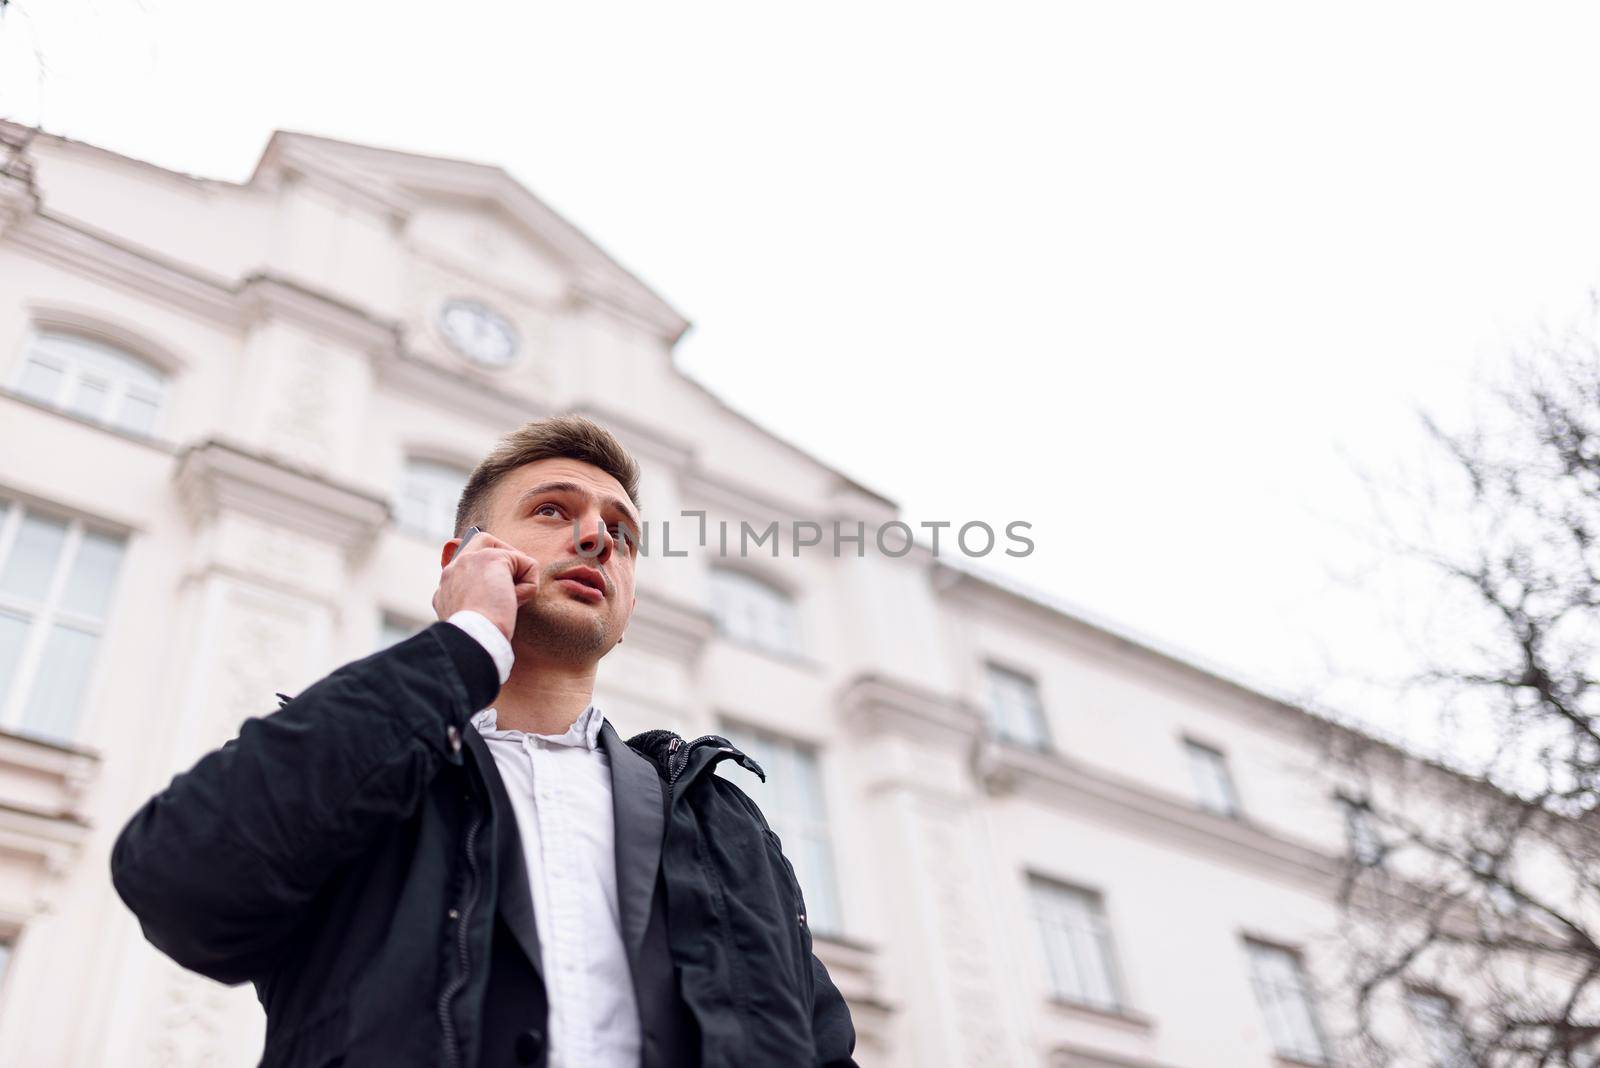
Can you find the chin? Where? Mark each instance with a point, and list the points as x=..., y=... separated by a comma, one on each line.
x=578, y=630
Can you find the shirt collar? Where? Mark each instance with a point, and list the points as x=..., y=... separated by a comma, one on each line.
x=584, y=732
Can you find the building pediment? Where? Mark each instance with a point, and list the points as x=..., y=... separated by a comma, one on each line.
x=474, y=216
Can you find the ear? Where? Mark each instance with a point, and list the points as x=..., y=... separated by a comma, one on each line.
x=448, y=553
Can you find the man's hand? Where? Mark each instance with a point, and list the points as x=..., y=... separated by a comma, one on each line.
x=489, y=577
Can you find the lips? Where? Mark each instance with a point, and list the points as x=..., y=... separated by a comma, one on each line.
x=584, y=576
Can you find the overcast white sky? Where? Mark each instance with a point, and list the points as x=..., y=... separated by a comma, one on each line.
x=1146, y=275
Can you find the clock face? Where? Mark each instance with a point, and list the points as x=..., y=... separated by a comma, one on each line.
x=478, y=332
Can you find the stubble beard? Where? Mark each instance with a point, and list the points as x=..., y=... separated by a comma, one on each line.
x=571, y=633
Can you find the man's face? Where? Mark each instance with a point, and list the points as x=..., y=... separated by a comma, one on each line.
x=533, y=508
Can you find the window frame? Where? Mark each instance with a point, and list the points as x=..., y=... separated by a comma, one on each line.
x=119, y=388
x=789, y=643
x=1216, y=760
x=1255, y=950
x=434, y=508
x=43, y=616
x=1041, y=740
x=1099, y=934
x=1364, y=843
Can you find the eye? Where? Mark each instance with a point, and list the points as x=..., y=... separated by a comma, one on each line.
x=539, y=509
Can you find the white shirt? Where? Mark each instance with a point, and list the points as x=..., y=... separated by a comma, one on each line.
x=560, y=790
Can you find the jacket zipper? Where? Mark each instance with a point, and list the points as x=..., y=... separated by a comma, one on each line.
x=460, y=916
x=679, y=751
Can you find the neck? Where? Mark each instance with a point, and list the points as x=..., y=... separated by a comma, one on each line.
x=543, y=697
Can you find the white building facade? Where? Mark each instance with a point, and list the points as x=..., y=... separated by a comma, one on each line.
x=233, y=421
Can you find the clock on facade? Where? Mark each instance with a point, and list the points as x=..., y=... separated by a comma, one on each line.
x=478, y=332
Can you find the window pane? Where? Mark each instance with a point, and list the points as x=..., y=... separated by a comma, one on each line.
x=13, y=633
x=31, y=564
x=429, y=493
x=1077, y=944
x=102, y=371
x=89, y=398
x=100, y=360
x=1286, y=1003
x=1366, y=844
x=1213, y=783
x=94, y=572
x=137, y=414
x=750, y=610
x=1016, y=713
x=41, y=380
x=53, y=706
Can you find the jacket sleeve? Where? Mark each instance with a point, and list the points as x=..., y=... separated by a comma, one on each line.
x=221, y=865
x=831, y=1026
x=830, y=1021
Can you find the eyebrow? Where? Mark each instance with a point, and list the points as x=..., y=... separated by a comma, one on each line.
x=615, y=503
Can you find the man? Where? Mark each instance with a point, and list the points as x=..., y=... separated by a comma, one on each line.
x=443, y=854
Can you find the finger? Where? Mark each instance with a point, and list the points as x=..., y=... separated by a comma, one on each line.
x=482, y=540
x=523, y=566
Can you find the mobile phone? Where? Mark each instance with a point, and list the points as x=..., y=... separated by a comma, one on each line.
x=471, y=532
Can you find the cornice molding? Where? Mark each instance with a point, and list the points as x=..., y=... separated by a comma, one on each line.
x=297, y=164
x=403, y=181
x=874, y=705
x=264, y=296
x=258, y=297
x=854, y=968
x=217, y=476
x=1050, y=778
x=968, y=590
x=670, y=627
x=64, y=771
x=1073, y=1056
x=79, y=248
x=51, y=840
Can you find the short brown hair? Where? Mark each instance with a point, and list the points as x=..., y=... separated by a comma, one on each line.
x=570, y=437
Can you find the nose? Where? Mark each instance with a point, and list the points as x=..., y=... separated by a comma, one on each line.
x=596, y=544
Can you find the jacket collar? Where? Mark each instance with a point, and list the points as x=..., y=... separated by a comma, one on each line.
x=640, y=818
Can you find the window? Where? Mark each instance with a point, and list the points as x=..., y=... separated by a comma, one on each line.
x=1213, y=784
x=749, y=610
x=429, y=493
x=56, y=580
x=1286, y=1002
x=92, y=379
x=1015, y=711
x=1442, y=1034
x=1077, y=944
x=1361, y=833
x=792, y=801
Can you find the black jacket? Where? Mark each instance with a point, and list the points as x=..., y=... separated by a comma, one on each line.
x=353, y=856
